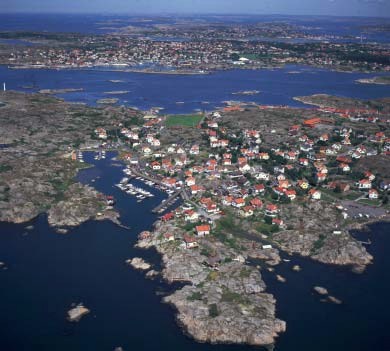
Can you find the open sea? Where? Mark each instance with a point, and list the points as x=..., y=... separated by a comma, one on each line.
x=47, y=272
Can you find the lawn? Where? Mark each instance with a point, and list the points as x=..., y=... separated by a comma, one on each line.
x=370, y=202
x=183, y=120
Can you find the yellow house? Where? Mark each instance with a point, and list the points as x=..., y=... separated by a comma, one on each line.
x=303, y=184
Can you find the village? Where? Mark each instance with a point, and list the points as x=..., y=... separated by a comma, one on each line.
x=243, y=180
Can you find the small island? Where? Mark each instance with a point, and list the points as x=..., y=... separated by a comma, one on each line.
x=382, y=80
x=76, y=313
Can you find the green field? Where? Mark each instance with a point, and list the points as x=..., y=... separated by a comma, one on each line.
x=183, y=120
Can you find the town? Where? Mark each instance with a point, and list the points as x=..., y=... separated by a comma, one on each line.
x=198, y=50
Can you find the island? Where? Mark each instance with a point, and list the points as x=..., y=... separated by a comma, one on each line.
x=383, y=80
x=254, y=181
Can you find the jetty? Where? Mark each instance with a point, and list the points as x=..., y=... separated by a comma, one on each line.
x=168, y=202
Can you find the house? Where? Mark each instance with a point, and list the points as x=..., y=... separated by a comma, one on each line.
x=240, y=202
x=155, y=165
x=246, y=211
x=320, y=177
x=291, y=156
x=244, y=167
x=284, y=184
x=372, y=194
x=144, y=235
x=262, y=176
x=227, y=201
x=190, y=241
x=212, y=208
x=263, y=156
x=364, y=184
x=226, y=162
x=169, y=237
x=369, y=175
x=271, y=210
x=385, y=184
x=277, y=221
x=259, y=188
x=256, y=203
x=291, y=194
x=303, y=161
x=324, y=137
x=315, y=194
x=146, y=150
x=202, y=230
x=169, y=182
x=191, y=216
x=278, y=190
x=167, y=217
x=303, y=184
x=196, y=189
x=190, y=181
x=194, y=150
x=344, y=167
x=312, y=122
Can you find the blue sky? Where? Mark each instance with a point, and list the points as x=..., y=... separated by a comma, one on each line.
x=379, y=8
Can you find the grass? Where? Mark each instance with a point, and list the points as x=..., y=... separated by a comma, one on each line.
x=213, y=310
x=197, y=295
x=319, y=243
x=183, y=120
x=232, y=297
x=370, y=202
x=5, y=168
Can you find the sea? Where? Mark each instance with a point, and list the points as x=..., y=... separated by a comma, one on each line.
x=47, y=272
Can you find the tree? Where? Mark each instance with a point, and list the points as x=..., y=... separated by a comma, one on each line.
x=235, y=56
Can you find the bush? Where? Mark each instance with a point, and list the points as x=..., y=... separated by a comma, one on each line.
x=213, y=310
x=197, y=295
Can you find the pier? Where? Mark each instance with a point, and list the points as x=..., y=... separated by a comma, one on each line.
x=139, y=174
x=168, y=202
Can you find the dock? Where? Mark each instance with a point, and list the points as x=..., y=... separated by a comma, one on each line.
x=139, y=174
x=168, y=202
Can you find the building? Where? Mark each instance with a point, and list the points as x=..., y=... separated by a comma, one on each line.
x=190, y=242
x=202, y=230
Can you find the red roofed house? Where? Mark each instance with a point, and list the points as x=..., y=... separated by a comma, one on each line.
x=190, y=242
x=169, y=237
x=191, y=215
x=271, y=210
x=246, y=211
x=315, y=194
x=372, y=194
x=256, y=203
x=240, y=202
x=167, y=217
x=259, y=188
x=202, y=230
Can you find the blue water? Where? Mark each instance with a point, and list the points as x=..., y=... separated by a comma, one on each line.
x=277, y=87
x=360, y=323
x=47, y=272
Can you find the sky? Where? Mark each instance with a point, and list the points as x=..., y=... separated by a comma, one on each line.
x=374, y=8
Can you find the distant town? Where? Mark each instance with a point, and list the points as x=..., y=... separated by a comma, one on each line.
x=189, y=47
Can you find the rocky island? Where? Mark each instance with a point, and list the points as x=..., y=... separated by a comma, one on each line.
x=255, y=180
x=39, y=165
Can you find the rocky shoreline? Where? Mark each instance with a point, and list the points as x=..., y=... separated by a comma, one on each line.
x=227, y=304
